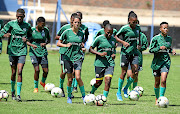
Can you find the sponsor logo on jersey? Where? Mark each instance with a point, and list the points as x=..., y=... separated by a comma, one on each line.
x=113, y=42
x=137, y=31
x=24, y=29
x=80, y=37
x=43, y=33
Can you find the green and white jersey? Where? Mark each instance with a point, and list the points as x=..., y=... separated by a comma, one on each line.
x=144, y=44
x=38, y=38
x=16, y=47
x=101, y=31
x=131, y=36
x=62, y=50
x=161, y=57
x=74, y=52
x=1, y=26
x=104, y=45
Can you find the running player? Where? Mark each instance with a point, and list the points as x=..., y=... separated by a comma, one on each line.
x=129, y=54
x=1, y=26
x=161, y=45
x=62, y=50
x=38, y=52
x=104, y=62
x=72, y=39
x=18, y=31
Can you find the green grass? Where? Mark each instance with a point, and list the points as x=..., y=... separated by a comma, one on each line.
x=43, y=102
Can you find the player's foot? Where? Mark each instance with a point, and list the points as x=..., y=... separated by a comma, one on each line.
x=13, y=96
x=119, y=97
x=63, y=94
x=125, y=92
x=19, y=98
x=72, y=96
x=69, y=100
x=43, y=84
x=156, y=103
x=83, y=99
x=75, y=89
x=35, y=90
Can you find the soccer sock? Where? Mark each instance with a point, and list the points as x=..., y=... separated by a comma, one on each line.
x=156, y=90
x=93, y=89
x=61, y=81
x=43, y=79
x=82, y=90
x=105, y=93
x=162, y=91
x=120, y=83
x=129, y=82
x=75, y=82
x=134, y=84
x=69, y=91
x=12, y=86
x=36, y=84
x=72, y=85
x=19, y=84
x=130, y=85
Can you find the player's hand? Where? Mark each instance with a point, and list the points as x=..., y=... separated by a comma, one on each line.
x=68, y=45
x=24, y=39
x=113, y=56
x=34, y=46
x=7, y=35
x=84, y=49
x=138, y=47
x=42, y=44
x=126, y=44
x=103, y=54
x=163, y=47
x=173, y=52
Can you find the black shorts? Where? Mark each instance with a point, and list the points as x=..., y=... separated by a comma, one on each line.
x=40, y=60
x=140, y=68
x=14, y=60
x=61, y=60
x=128, y=59
x=104, y=71
x=158, y=72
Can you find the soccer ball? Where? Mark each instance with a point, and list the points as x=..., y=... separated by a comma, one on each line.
x=100, y=100
x=4, y=95
x=163, y=102
x=93, y=81
x=134, y=95
x=89, y=99
x=139, y=89
x=56, y=92
x=48, y=87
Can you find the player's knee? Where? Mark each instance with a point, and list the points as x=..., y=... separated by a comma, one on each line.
x=157, y=84
x=78, y=78
x=45, y=71
x=37, y=71
x=163, y=82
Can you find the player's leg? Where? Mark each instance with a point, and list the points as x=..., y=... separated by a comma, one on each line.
x=99, y=78
x=135, y=80
x=44, y=64
x=164, y=73
x=13, y=64
x=74, y=83
x=129, y=74
x=20, y=65
x=156, y=74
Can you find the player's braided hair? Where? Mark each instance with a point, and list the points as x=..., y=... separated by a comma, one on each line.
x=106, y=22
x=132, y=14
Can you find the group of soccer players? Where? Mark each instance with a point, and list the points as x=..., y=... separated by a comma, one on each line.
x=71, y=39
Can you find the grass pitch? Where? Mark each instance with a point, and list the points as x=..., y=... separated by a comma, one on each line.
x=43, y=102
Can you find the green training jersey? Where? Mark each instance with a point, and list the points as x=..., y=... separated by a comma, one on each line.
x=38, y=38
x=144, y=44
x=131, y=36
x=161, y=57
x=101, y=31
x=104, y=45
x=84, y=29
x=62, y=50
x=1, y=26
x=74, y=52
x=16, y=47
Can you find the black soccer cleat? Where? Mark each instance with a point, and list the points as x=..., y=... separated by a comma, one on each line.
x=13, y=96
x=19, y=98
x=63, y=94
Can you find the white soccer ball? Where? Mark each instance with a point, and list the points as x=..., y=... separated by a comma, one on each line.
x=93, y=81
x=4, y=94
x=134, y=95
x=139, y=89
x=49, y=86
x=89, y=99
x=162, y=102
x=56, y=92
x=100, y=100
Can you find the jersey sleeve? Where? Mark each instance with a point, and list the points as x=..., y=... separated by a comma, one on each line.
x=29, y=33
x=5, y=29
x=97, y=34
x=144, y=42
x=120, y=32
x=114, y=31
x=95, y=42
x=153, y=48
x=61, y=31
x=63, y=37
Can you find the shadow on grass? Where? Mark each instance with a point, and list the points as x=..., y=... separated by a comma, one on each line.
x=147, y=95
x=32, y=100
x=145, y=100
x=113, y=87
x=174, y=105
x=121, y=104
x=5, y=83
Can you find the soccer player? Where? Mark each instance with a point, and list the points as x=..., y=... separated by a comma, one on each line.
x=18, y=31
x=104, y=62
x=1, y=26
x=129, y=55
x=161, y=45
x=101, y=31
x=72, y=39
x=38, y=52
x=62, y=50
